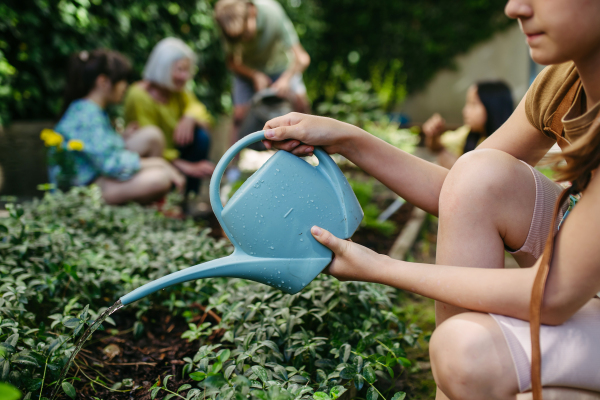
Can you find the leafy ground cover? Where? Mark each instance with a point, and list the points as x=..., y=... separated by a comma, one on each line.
x=67, y=257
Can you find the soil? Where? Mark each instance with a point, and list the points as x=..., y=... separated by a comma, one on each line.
x=159, y=352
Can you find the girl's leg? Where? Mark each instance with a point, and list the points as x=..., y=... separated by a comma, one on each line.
x=486, y=202
x=146, y=186
x=148, y=141
x=470, y=359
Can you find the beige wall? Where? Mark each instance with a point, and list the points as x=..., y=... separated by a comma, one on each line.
x=505, y=56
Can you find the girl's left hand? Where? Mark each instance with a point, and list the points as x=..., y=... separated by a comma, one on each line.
x=184, y=132
x=351, y=262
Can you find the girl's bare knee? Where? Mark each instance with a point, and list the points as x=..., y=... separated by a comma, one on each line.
x=155, y=136
x=480, y=180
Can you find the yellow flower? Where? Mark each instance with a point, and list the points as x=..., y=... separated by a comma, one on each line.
x=45, y=133
x=75, y=145
x=51, y=138
x=171, y=154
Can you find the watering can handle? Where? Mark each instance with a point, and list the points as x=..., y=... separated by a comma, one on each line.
x=215, y=182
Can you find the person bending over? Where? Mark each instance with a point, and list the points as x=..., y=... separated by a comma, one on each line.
x=263, y=51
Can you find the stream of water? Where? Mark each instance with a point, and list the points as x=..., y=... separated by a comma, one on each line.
x=81, y=341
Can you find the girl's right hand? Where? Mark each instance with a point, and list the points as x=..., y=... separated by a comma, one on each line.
x=300, y=133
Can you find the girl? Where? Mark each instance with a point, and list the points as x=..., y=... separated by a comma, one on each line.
x=162, y=101
x=96, y=80
x=487, y=107
x=491, y=200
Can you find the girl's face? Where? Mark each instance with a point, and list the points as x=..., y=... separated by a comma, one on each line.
x=181, y=73
x=117, y=92
x=558, y=30
x=474, y=113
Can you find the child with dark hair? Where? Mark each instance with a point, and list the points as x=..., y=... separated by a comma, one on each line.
x=125, y=172
x=488, y=105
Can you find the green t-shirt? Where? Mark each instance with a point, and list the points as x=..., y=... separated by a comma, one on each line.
x=270, y=50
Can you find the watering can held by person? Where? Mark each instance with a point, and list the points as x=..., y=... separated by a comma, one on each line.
x=268, y=221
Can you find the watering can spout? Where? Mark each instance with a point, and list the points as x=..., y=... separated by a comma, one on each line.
x=289, y=275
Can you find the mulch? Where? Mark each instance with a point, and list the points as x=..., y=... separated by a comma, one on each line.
x=157, y=353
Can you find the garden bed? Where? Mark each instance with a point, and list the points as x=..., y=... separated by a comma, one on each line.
x=232, y=338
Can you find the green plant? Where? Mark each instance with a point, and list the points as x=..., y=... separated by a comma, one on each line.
x=197, y=331
x=404, y=139
x=356, y=105
x=69, y=250
x=364, y=193
x=9, y=392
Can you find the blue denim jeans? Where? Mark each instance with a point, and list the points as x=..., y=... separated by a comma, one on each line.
x=196, y=151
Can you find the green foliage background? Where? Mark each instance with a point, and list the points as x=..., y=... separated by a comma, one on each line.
x=396, y=45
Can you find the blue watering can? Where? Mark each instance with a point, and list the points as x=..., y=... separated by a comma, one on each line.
x=268, y=220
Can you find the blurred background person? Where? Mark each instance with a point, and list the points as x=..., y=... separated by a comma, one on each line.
x=95, y=80
x=161, y=101
x=488, y=105
x=263, y=51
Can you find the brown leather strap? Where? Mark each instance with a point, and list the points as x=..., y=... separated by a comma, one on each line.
x=537, y=298
x=539, y=284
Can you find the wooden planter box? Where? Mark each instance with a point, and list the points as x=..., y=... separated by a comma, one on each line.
x=23, y=158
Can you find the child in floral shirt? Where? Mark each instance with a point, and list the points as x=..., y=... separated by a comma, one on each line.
x=124, y=171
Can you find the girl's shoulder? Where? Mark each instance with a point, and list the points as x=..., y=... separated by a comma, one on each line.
x=79, y=112
x=547, y=92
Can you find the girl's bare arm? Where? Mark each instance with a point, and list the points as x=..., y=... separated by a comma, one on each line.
x=574, y=274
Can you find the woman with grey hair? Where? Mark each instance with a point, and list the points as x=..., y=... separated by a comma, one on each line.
x=162, y=101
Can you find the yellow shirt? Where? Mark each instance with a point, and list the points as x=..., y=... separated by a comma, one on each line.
x=143, y=109
x=454, y=141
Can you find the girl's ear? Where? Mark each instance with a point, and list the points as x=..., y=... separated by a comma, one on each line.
x=103, y=82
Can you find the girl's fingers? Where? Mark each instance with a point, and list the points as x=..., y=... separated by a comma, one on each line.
x=285, y=120
x=303, y=150
x=337, y=245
